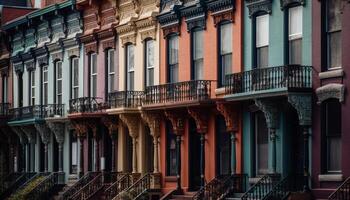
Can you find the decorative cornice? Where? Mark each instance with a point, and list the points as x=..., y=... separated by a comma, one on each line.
x=175, y=29
x=109, y=43
x=332, y=90
x=44, y=33
x=74, y=25
x=30, y=65
x=255, y=6
x=126, y=28
x=58, y=28
x=148, y=33
x=220, y=6
x=223, y=16
x=73, y=52
x=286, y=3
x=91, y=47
x=128, y=38
x=18, y=66
x=132, y=122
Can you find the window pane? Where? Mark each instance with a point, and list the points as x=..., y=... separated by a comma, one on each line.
x=174, y=76
x=150, y=76
x=334, y=48
x=94, y=86
x=262, y=31
x=262, y=57
x=333, y=117
x=45, y=94
x=173, y=50
x=198, y=69
x=334, y=15
x=111, y=60
x=334, y=154
x=111, y=82
x=295, y=51
x=93, y=63
x=75, y=73
x=59, y=70
x=59, y=86
x=197, y=45
x=295, y=22
x=130, y=85
x=150, y=53
x=130, y=57
x=226, y=38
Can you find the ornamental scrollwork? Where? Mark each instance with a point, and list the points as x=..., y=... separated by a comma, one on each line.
x=302, y=104
x=270, y=110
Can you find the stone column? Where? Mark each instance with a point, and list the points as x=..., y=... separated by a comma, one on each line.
x=134, y=155
x=233, y=153
x=178, y=162
x=58, y=128
x=306, y=157
x=155, y=155
x=272, y=133
x=45, y=134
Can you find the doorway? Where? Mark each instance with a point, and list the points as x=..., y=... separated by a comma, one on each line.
x=222, y=147
x=194, y=157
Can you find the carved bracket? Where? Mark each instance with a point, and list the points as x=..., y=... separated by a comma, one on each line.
x=128, y=38
x=152, y=119
x=109, y=43
x=58, y=129
x=30, y=132
x=132, y=122
x=57, y=56
x=177, y=120
x=303, y=105
x=328, y=91
x=73, y=52
x=21, y=135
x=175, y=29
x=270, y=110
x=44, y=132
x=255, y=6
x=91, y=47
x=231, y=115
x=111, y=123
x=81, y=128
x=200, y=117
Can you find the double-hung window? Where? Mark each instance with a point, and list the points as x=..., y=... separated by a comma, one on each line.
x=32, y=87
x=197, y=54
x=333, y=33
x=173, y=63
x=332, y=122
x=111, y=69
x=149, y=62
x=262, y=41
x=225, y=52
x=75, y=77
x=93, y=74
x=295, y=34
x=59, y=82
x=4, y=89
x=45, y=88
x=130, y=66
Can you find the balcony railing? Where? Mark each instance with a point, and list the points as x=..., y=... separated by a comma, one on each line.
x=289, y=76
x=195, y=90
x=87, y=105
x=125, y=99
x=5, y=109
x=37, y=111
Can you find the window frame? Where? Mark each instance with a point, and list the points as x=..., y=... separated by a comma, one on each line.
x=74, y=87
x=92, y=75
x=58, y=96
x=194, y=75
x=32, y=87
x=129, y=70
x=257, y=47
x=110, y=74
x=45, y=94
x=147, y=67
x=292, y=38
x=170, y=79
x=221, y=69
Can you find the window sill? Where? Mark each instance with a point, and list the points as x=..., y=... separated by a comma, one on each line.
x=330, y=177
x=220, y=91
x=170, y=179
x=334, y=73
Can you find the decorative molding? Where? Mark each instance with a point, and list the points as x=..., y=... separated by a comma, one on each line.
x=44, y=33
x=198, y=22
x=58, y=129
x=44, y=132
x=57, y=56
x=286, y=3
x=58, y=28
x=91, y=47
x=270, y=109
x=74, y=25
x=200, y=117
x=19, y=67
x=129, y=38
x=109, y=43
x=231, y=115
x=43, y=60
x=30, y=132
x=255, y=6
x=337, y=73
x=177, y=119
x=152, y=119
x=73, y=52
x=195, y=16
x=303, y=105
x=332, y=90
x=221, y=6
x=81, y=128
x=223, y=16
x=30, y=65
x=111, y=123
x=132, y=122
x=171, y=30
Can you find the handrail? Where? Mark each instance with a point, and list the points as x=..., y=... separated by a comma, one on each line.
x=178, y=92
x=291, y=183
x=138, y=188
x=30, y=176
x=128, y=99
x=288, y=76
x=121, y=184
x=87, y=105
x=44, y=188
x=235, y=183
x=342, y=192
x=78, y=185
x=90, y=188
x=209, y=191
x=15, y=184
x=262, y=187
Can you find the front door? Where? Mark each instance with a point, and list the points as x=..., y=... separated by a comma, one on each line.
x=222, y=147
x=194, y=157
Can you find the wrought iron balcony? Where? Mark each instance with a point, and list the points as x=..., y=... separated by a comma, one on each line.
x=289, y=77
x=180, y=92
x=87, y=105
x=125, y=99
x=37, y=111
x=5, y=109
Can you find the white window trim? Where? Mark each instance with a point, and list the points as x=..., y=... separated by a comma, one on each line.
x=299, y=35
x=147, y=66
x=259, y=43
x=129, y=69
x=32, y=87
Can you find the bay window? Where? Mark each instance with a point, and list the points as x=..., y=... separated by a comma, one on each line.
x=262, y=41
x=130, y=66
x=225, y=58
x=149, y=62
x=173, y=61
x=295, y=34
x=197, y=54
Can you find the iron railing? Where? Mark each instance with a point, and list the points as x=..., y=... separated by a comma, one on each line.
x=195, y=90
x=5, y=109
x=235, y=183
x=44, y=189
x=87, y=105
x=78, y=185
x=289, y=76
x=90, y=188
x=125, y=99
x=291, y=183
x=262, y=187
x=121, y=184
x=37, y=111
x=342, y=192
x=138, y=188
x=14, y=181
